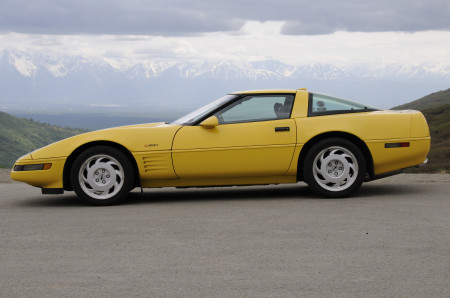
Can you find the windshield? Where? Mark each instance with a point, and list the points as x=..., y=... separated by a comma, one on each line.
x=203, y=111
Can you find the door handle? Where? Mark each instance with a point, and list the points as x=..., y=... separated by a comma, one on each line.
x=284, y=128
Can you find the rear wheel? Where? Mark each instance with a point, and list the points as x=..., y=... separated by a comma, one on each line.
x=334, y=168
x=102, y=176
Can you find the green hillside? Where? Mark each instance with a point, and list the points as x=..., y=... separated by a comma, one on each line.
x=427, y=102
x=19, y=136
x=439, y=157
x=436, y=108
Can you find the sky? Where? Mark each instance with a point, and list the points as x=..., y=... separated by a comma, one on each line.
x=343, y=33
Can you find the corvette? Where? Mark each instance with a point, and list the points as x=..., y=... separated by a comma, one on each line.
x=244, y=138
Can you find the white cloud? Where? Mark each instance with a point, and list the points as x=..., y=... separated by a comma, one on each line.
x=255, y=28
x=256, y=41
x=185, y=18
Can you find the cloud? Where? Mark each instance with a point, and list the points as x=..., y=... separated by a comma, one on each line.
x=342, y=49
x=325, y=16
x=182, y=18
x=110, y=17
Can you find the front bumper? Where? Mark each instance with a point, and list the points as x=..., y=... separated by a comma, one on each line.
x=45, y=178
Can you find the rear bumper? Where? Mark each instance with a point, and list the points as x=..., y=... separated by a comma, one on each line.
x=388, y=160
x=384, y=175
x=423, y=164
x=376, y=177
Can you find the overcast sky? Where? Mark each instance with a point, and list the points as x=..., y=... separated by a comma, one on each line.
x=320, y=31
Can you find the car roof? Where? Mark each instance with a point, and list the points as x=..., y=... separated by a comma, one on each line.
x=277, y=91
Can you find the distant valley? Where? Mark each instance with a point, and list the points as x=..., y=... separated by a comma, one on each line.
x=90, y=121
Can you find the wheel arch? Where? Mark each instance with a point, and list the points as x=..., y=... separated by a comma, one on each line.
x=70, y=160
x=335, y=134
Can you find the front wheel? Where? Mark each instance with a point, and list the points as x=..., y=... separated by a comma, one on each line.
x=102, y=176
x=334, y=168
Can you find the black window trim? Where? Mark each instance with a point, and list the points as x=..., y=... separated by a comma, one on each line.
x=334, y=112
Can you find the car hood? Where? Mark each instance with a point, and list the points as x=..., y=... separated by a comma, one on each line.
x=136, y=138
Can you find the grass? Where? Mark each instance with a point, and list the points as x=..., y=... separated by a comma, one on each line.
x=439, y=157
x=19, y=136
x=431, y=101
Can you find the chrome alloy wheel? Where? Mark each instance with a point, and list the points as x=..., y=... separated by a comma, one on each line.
x=335, y=168
x=101, y=177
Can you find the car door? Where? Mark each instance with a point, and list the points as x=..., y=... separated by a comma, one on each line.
x=255, y=137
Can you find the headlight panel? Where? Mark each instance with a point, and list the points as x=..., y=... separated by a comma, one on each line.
x=35, y=167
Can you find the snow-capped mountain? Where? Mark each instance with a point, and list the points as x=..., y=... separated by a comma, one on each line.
x=33, y=66
x=41, y=79
x=145, y=70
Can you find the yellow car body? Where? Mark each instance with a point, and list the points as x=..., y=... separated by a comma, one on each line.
x=209, y=153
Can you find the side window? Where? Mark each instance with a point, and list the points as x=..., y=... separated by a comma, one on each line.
x=320, y=104
x=257, y=108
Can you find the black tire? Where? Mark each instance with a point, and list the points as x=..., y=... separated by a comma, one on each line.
x=102, y=176
x=334, y=168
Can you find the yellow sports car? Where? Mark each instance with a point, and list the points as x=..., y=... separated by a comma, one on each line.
x=244, y=138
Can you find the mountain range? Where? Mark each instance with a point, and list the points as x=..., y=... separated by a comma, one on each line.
x=54, y=84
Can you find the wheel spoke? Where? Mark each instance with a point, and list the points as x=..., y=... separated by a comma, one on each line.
x=86, y=180
x=101, y=177
x=335, y=168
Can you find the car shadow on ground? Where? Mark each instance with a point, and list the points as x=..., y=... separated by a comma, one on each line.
x=294, y=191
x=299, y=191
x=369, y=190
x=173, y=195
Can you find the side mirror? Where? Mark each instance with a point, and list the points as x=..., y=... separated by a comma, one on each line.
x=210, y=122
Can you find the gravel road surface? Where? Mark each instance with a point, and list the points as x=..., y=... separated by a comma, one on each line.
x=390, y=240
